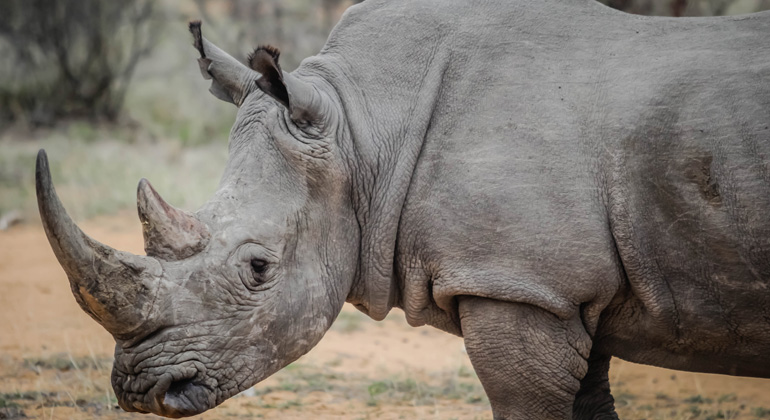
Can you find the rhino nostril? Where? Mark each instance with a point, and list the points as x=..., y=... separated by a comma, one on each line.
x=187, y=397
x=178, y=387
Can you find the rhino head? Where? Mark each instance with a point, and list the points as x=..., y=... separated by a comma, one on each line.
x=232, y=293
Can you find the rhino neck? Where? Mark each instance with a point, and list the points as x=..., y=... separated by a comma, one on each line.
x=388, y=103
x=388, y=150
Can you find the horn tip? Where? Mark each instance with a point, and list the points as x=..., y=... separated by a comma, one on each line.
x=42, y=161
x=145, y=189
x=42, y=174
x=143, y=194
x=148, y=201
x=143, y=184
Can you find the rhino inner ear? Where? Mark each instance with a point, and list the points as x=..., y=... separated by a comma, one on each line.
x=304, y=102
x=264, y=60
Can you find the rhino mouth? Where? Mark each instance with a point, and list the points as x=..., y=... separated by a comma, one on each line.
x=173, y=395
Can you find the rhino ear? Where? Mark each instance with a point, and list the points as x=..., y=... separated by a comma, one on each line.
x=264, y=60
x=304, y=102
x=231, y=81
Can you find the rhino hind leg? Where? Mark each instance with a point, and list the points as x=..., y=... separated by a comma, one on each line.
x=594, y=401
x=529, y=361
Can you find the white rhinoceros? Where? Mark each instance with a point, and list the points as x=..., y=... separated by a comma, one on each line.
x=555, y=181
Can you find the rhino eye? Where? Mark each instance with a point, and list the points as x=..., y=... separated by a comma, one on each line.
x=258, y=269
x=253, y=265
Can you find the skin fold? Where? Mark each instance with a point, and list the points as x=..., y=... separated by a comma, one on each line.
x=555, y=181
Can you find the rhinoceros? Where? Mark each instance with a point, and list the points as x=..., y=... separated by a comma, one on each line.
x=554, y=181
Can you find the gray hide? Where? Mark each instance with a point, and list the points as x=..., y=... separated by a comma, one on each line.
x=555, y=181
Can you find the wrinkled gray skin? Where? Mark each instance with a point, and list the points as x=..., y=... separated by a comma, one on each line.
x=555, y=181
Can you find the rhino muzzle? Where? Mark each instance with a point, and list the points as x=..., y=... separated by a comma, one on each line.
x=116, y=288
x=177, y=393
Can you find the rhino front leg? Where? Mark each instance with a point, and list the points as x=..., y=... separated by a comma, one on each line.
x=529, y=361
x=594, y=401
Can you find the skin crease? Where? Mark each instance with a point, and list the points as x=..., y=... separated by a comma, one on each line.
x=556, y=182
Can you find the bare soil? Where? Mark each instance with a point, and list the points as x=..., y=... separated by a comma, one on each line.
x=55, y=361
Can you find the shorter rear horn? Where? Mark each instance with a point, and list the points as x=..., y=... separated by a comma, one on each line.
x=169, y=234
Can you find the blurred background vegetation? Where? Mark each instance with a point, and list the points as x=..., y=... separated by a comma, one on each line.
x=111, y=89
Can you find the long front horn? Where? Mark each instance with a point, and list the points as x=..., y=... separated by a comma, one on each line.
x=115, y=288
x=169, y=233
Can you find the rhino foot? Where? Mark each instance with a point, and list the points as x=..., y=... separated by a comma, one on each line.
x=594, y=401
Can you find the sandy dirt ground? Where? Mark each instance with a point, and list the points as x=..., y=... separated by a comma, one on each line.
x=55, y=361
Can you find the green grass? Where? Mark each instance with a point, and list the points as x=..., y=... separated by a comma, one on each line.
x=698, y=399
x=100, y=177
x=65, y=362
x=62, y=380
x=695, y=407
x=425, y=392
x=401, y=390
